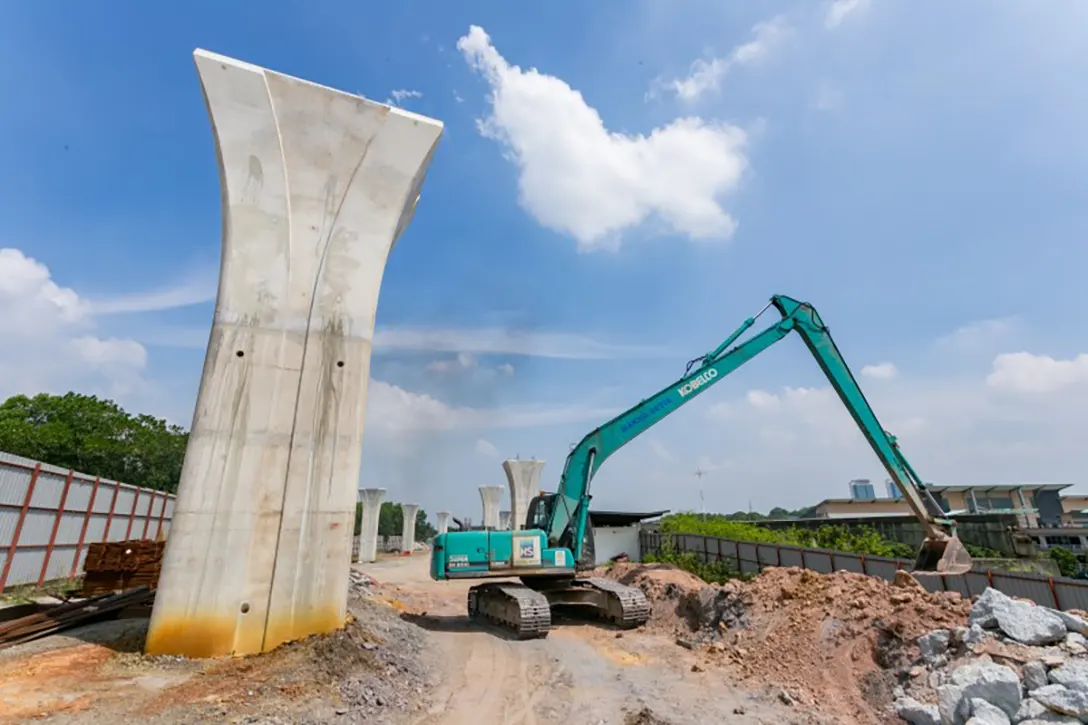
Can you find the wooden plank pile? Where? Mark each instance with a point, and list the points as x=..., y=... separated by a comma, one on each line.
x=70, y=614
x=118, y=565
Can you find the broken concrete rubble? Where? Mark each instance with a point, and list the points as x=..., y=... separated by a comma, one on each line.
x=1012, y=665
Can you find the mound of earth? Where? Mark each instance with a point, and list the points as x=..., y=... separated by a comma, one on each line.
x=831, y=641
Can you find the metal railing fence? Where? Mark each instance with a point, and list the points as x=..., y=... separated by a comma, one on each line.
x=48, y=516
x=750, y=558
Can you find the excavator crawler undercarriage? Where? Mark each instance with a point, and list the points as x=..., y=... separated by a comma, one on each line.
x=525, y=609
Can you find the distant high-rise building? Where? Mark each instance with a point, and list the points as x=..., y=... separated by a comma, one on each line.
x=893, y=491
x=861, y=489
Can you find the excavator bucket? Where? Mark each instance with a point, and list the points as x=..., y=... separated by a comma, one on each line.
x=942, y=556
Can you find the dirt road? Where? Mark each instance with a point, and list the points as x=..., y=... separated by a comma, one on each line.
x=581, y=674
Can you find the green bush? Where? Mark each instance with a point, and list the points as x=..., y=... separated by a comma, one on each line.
x=864, y=540
x=1066, y=561
x=715, y=572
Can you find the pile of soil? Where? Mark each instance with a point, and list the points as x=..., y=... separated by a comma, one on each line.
x=831, y=641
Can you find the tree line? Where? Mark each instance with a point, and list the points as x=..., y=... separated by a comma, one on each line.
x=97, y=437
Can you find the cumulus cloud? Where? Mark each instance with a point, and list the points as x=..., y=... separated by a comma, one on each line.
x=579, y=178
x=839, y=10
x=706, y=75
x=1022, y=372
x=49, y=337
x=880, y=371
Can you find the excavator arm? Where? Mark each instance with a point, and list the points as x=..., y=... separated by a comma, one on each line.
x=941, y=551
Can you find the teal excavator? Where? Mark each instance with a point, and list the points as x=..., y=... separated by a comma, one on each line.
x=550, y=554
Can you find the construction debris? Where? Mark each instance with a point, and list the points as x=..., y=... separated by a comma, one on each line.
x=69, y=615
x=1014, y=662
x=835, y=641
x=120, y=565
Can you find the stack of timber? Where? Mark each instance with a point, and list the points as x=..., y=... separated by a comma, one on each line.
x=70, y=614
x=119, y=565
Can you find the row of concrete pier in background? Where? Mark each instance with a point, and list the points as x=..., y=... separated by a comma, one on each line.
x=522, y=478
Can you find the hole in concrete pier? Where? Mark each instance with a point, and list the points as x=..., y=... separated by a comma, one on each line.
x=339, y=363
x=239, y=353
x=245, y=607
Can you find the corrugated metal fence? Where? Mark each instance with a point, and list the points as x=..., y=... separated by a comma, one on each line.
x=750, y=558
x=48, y=515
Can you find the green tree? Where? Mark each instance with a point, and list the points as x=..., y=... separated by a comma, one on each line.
x=94, y=436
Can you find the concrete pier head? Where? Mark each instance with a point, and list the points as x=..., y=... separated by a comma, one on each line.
x=368, y=531
x=523, y=477
x=408, y=532
x=443, y=521
x=491, y=497
x=504, y=521
x=317, y=185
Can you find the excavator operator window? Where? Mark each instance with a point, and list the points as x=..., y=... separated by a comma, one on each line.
x=539, y=509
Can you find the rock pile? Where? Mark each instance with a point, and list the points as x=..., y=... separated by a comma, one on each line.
x=1014, y=663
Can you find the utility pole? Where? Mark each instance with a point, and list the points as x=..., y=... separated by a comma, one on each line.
x=699, y=473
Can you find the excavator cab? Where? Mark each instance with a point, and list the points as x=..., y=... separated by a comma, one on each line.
x=942, y=555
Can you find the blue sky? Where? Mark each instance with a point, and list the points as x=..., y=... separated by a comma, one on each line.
x=617, y=188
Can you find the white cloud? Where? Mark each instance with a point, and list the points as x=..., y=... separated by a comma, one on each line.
x=799, y=445
x=462, y=361
x=401, y=95
x=392, y=409
x=706, y=75
x=1022, y=372
x=498, y=341
x=195, y=290
x=486, y=448
x=505, y=369
x=839, y=10
x=979, y=335
x=880, y=371
x=579, y=178
x=49, y=341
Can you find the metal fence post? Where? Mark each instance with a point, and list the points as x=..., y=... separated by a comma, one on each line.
x=110, y=513
x=132, y=514
x=19, y=526
x=147, y=516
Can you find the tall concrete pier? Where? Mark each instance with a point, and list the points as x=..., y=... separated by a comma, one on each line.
x=523, y=477
x=317, y=185
x=443, y=521
x=491, y=498
x=368, y=531
x=408, y=532
x=504, y=521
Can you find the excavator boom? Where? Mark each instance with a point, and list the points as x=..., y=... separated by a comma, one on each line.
x=941, y=552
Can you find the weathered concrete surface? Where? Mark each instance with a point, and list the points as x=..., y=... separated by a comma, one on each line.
x=316, y=187
x=408, y=532
x=523, y=477
x=491, y=498
x=442, y=519
x=368, y=530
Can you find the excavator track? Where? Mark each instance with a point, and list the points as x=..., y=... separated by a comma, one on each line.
x=628, y=605
x=515, y=607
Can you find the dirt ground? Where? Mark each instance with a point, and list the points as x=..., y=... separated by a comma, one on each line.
x=410, y=657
